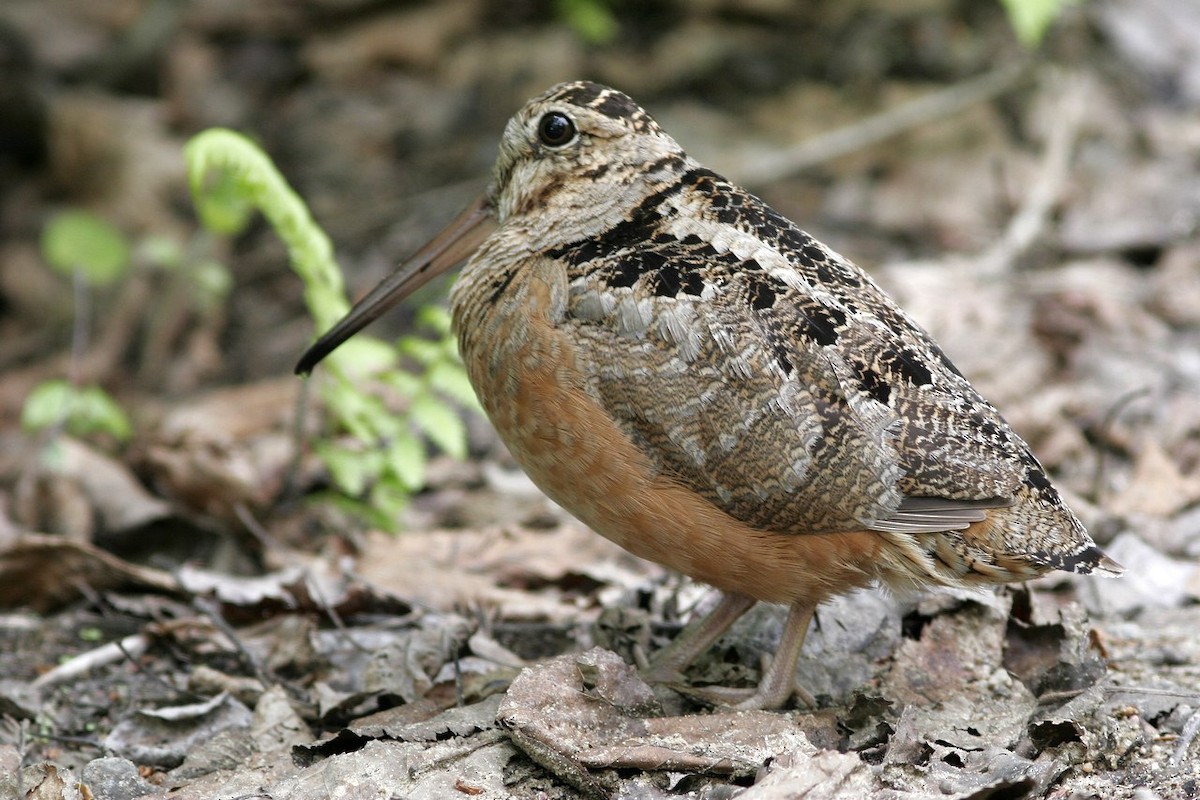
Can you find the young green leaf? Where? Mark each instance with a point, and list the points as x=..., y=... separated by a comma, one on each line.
x=1032, y=18
x=47, y=405
x=96, y=412
x=436, y=319
x=223, y=207
x=387, y=503
x=388, y=459
x=405, y=384
x=424, y=351
x=365, y=511
x=77, y=240
x=212, y=283
x=451, y=380
x=162, y=251
x=352, y=470
x=82, y=411
x=590, y=19
x=406, y=460
x=363, y=356
x=441, y=424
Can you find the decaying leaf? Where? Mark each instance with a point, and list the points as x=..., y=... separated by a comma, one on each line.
x=43, y=572
x=165, y=736
x=586, y=716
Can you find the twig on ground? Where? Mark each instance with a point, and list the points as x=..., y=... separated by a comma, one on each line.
x=289, y=489
x=1190, y=729
x=771, y=166
x=123, y=319
x=131, y=647
x=97, y=600
x=344, y=633
x=1148, y=690
x=1029, y=223
x=211, y=609
x=1102, y=434
x=254, y=527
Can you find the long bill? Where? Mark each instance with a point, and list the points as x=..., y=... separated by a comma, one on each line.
x=454, y=243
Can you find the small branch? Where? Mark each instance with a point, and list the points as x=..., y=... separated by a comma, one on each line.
x=1029, y=223
x=261, y=535
x=211, y=609
x=772, y=166
x=1181, y=694
x=313, y=586
x=131, y=647
x=1103, y=437
x=1190, y=729
x=79, y=331
x=289, y=489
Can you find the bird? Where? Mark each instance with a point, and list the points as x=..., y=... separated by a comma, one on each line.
x=695, y=378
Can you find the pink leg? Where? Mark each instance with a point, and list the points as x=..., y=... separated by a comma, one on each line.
x=778, y=682
x=668, y=664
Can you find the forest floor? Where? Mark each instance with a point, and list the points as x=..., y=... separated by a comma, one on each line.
x=184, y=615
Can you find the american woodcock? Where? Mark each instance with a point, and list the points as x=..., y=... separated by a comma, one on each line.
x=697, y=379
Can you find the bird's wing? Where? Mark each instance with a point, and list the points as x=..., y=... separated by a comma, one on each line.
x=771, y=375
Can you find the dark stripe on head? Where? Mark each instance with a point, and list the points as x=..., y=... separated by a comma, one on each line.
x=606, y=101
x=616, y=105
x=580, y=93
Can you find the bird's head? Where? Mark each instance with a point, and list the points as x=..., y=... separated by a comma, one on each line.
x=573, y=163
x=578, y=157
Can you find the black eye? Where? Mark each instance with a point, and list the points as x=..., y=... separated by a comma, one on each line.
x=556, y=129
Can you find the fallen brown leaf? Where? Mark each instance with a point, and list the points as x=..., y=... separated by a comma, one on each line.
x=498, y=567
x=586, y=716
x=44, y=572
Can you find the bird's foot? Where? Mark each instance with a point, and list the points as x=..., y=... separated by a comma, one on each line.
x=778, y=683
x=773, y=692
x=668, y=664
x=659, y=669
x=747, y=699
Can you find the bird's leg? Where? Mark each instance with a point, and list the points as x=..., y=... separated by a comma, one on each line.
x=668, y=664
x=778, y=683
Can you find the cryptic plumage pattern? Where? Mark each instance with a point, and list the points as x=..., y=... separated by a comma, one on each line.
x=745, y=360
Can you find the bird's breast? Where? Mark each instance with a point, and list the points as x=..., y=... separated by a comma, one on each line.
x=526, y=369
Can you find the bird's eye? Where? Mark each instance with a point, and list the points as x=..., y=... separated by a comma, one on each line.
x=556, y=129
